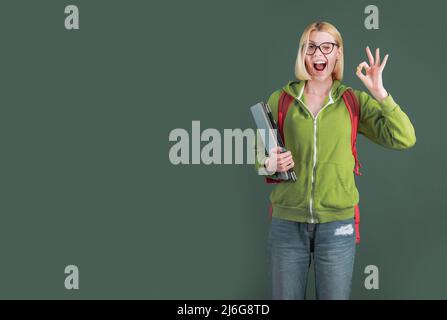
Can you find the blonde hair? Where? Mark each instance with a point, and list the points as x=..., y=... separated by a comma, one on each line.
x=300, y=65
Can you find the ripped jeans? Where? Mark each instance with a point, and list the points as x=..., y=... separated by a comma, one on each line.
x=291, y=245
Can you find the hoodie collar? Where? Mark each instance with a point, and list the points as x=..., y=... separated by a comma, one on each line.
x=295, y=88
x=327, y=100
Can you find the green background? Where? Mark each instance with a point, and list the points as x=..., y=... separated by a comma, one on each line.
x=84, y=126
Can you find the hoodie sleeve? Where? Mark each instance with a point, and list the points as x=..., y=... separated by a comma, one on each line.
x=385, y=123
x=259, y=148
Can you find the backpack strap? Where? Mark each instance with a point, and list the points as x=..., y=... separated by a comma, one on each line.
x=353, y=106
x=357, y=223
x=284, y=103
x=285, y=100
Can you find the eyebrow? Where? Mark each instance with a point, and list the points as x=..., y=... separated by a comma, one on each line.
x=312, y=42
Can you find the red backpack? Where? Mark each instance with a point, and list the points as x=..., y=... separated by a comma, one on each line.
x=351, y=102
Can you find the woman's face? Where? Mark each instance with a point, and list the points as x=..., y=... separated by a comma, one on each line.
x=320, y=62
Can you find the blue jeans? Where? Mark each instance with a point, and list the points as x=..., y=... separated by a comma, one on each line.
x=291, y=245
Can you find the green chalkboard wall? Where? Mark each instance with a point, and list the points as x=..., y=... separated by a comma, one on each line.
x=86, y=177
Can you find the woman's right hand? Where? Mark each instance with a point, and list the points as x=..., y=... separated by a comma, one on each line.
x=279, y=162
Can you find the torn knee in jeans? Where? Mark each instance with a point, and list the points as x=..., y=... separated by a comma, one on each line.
x=344, y=230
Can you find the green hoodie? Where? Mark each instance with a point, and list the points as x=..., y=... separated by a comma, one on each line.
x=325, y=189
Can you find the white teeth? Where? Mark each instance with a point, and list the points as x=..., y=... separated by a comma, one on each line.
x=320, y=62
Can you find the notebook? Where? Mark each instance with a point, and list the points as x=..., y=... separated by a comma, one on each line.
x=270, y=136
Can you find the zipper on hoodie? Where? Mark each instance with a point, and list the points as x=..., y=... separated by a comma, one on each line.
x=312, y=219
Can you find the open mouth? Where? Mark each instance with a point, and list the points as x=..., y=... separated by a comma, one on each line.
x=320, y=66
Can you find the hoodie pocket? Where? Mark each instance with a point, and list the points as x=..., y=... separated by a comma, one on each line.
x=293, y=194
x=334, y=186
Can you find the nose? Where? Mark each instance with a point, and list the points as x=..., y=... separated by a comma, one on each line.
x=318, y=53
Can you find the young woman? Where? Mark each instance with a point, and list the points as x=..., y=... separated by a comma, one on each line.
x=313, y=217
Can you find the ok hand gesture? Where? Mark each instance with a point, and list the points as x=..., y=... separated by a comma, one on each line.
x=373, y=78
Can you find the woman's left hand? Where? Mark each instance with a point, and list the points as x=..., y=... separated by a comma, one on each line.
x=373, y=78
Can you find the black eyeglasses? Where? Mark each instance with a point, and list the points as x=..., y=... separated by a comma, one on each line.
x=325, y=48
